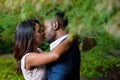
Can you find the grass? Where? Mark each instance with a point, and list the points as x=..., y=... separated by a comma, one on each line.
x=7, y=72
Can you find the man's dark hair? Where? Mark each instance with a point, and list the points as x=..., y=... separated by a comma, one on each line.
x=59, y=16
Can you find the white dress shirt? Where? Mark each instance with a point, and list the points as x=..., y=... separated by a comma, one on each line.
x=56, y=42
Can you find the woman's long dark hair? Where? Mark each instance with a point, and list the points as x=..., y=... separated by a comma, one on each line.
x=23, y=40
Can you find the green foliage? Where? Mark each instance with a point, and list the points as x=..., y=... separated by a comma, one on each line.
x=7, y=65
x=97, y=19
x=102, y=57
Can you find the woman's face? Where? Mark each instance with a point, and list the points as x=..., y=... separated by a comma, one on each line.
x=39, y=34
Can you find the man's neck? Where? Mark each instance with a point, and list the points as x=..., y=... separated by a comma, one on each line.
x=58, y=41
x=60, y=34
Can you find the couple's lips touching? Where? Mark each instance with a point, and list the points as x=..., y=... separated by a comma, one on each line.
x=43, y=37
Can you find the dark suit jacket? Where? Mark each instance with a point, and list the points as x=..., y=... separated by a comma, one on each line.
x=67, y=67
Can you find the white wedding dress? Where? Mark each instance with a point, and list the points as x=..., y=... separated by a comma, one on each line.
x=38, y=73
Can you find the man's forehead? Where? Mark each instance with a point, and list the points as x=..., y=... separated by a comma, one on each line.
x=50, y=20
x=46, y=22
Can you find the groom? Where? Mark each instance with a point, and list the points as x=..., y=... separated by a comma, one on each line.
x=68, y=66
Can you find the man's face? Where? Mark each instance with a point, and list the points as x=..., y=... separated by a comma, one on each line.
x=49, y=31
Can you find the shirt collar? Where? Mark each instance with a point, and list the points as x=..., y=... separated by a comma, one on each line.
x=56, y=42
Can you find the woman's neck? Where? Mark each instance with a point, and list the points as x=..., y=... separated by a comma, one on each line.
x=35, y=48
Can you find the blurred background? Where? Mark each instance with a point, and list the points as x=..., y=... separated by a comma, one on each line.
x=95, y=22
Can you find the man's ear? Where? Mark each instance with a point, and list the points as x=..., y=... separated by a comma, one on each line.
x=55, y=25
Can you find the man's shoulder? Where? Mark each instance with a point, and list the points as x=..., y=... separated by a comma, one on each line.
x=74, y=46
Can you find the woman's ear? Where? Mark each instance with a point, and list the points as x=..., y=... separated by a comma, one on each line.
x=55, y=25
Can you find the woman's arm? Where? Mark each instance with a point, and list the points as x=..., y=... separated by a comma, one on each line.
x=35, y=59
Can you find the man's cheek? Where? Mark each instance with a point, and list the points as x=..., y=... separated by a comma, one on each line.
x=49, y=29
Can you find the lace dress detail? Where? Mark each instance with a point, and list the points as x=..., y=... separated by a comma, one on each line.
x=38, y=73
